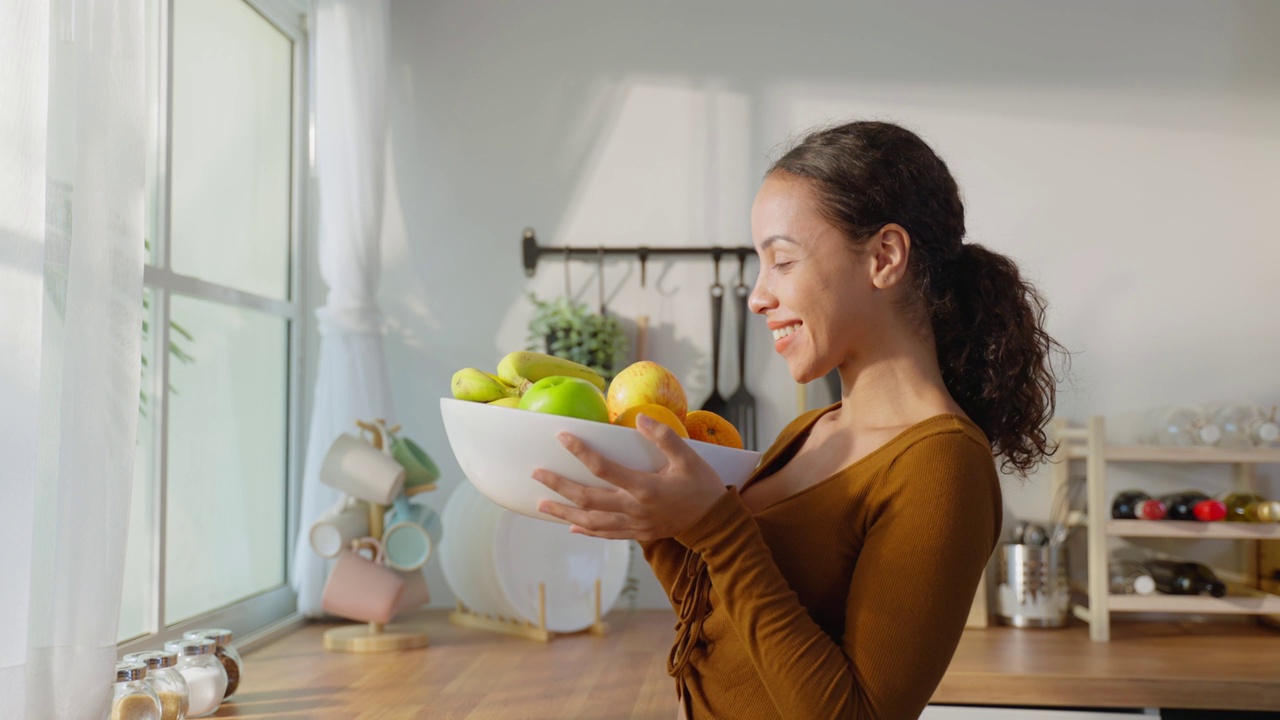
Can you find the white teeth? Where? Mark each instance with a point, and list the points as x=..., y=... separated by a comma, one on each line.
x=783, y=332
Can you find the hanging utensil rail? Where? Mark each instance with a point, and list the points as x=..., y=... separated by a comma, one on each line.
x=531, y=251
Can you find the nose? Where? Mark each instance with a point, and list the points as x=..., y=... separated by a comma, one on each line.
x=761, y=300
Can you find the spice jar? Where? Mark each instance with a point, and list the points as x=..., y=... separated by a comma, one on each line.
x=164, y=678
x=131, y=697
x=200, y=667
x=231, y=661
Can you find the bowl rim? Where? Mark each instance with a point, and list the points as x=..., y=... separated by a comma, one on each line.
x=593, y=424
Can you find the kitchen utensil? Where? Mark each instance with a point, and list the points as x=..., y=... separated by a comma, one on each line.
x=741, y=407
x=360, y=588
x=498, y=449
x=338, y=526
x=411, y=535
x=359, y=469
x=715, y=402
x=1033, y=585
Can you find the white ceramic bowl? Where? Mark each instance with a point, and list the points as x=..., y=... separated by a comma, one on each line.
x=498, y=449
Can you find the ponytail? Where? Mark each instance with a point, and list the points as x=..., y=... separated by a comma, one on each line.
x=995, y=356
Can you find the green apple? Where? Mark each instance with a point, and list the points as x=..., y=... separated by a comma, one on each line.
x=569, y=396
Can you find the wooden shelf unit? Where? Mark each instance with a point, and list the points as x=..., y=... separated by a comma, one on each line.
x=1089, y=445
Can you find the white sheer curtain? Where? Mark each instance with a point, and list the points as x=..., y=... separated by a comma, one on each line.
x=72, y=207
x=350, y=45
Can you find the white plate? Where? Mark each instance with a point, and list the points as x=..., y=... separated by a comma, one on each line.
x=498, y=449
x=527, y=552
x=453, y=546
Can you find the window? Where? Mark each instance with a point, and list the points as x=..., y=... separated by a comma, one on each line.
x=214, y=509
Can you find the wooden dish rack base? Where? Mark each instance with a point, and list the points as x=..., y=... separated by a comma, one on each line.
x=467, y=617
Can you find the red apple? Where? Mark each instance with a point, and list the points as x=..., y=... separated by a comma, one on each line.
x=646, y=382
x=572, y=397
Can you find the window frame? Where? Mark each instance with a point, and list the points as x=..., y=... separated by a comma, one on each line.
x=266, y=613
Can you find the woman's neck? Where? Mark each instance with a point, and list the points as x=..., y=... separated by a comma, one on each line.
x=899, y=388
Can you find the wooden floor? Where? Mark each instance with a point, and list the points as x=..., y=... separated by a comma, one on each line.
x=480, y=675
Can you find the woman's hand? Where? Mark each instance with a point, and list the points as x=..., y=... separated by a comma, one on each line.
x=640, y=505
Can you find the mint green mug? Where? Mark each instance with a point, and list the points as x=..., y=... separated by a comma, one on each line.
x=412, y=534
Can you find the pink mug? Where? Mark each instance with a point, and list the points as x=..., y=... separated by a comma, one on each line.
x=361, y=588
x=415, y=591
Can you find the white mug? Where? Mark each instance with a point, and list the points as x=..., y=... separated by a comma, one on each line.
x=338, y=526
x=359, y=469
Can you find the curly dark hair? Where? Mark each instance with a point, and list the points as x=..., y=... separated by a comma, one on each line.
x=987, y=321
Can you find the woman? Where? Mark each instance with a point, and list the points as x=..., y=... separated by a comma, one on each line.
x=837, y=581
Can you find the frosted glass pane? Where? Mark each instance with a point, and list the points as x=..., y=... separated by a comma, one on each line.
x=232, y=85
x=135, y=602
x=226, y=466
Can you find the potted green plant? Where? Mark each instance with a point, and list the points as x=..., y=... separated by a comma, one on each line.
x=567, y=329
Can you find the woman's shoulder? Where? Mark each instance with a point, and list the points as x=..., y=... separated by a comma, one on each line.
x=949, y=450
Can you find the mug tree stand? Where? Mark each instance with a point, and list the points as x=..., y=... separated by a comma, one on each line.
x=376, y=637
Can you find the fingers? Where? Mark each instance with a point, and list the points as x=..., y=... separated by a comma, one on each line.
x=665, y=438
x=591, y=521
x=599, y=465
x=608, y=499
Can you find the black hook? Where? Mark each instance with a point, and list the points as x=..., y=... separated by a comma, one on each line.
x=643, y=252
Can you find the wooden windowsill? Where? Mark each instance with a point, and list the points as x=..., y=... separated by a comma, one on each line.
x=468, y=673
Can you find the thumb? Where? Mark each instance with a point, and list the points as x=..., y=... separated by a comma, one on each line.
x=662, y=435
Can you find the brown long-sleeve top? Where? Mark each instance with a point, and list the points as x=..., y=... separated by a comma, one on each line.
x=845, y=600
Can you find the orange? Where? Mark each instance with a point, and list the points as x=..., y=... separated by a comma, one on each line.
x=709, y=427
x=655, y=411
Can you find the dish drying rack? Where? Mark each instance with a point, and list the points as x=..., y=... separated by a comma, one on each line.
x=466, y=617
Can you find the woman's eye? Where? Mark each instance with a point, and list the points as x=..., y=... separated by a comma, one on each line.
x=783, y=265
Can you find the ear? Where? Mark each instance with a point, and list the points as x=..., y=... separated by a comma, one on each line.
x=888, y=251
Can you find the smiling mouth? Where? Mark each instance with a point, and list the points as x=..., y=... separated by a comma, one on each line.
x=784, y=331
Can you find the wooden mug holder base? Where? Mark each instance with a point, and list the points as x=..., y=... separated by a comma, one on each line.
x=374, y=638
x=467, y=617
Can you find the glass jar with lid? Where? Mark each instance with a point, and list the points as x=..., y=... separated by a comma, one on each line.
x=226, y=653
x=205, y=676
x=131, y=697
x=164, y=678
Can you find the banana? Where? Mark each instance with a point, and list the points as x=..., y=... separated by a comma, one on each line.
x=523, y=367
x=506, y=402
x=477, y=386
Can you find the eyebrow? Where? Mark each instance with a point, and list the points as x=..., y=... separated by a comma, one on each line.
x=764, y=244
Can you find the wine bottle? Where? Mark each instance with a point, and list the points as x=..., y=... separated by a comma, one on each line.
x=1193, y=505
x=1177, y=577
x=1129, y=577
x=1251, y=507
x=1136, y=505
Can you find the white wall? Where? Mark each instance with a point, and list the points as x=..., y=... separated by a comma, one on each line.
x=1124, y=153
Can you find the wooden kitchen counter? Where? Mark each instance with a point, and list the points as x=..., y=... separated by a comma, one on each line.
x=480, y=675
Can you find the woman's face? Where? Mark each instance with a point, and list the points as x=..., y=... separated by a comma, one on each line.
x=816, y=292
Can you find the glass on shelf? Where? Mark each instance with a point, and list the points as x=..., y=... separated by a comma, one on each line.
x=1179, y=426
x=1245, y=425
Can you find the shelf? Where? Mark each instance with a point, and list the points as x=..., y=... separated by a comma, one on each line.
x=1230, y=605
x=1162, y=453
x=1193, y=530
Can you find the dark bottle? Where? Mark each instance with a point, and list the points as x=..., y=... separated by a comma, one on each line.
x=1194, y=505
x=1178, y=577
x=1136, y=505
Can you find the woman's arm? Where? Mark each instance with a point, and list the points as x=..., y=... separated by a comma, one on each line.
x=909, y=596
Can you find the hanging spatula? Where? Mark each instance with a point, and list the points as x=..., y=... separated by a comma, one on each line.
x=741, y=409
